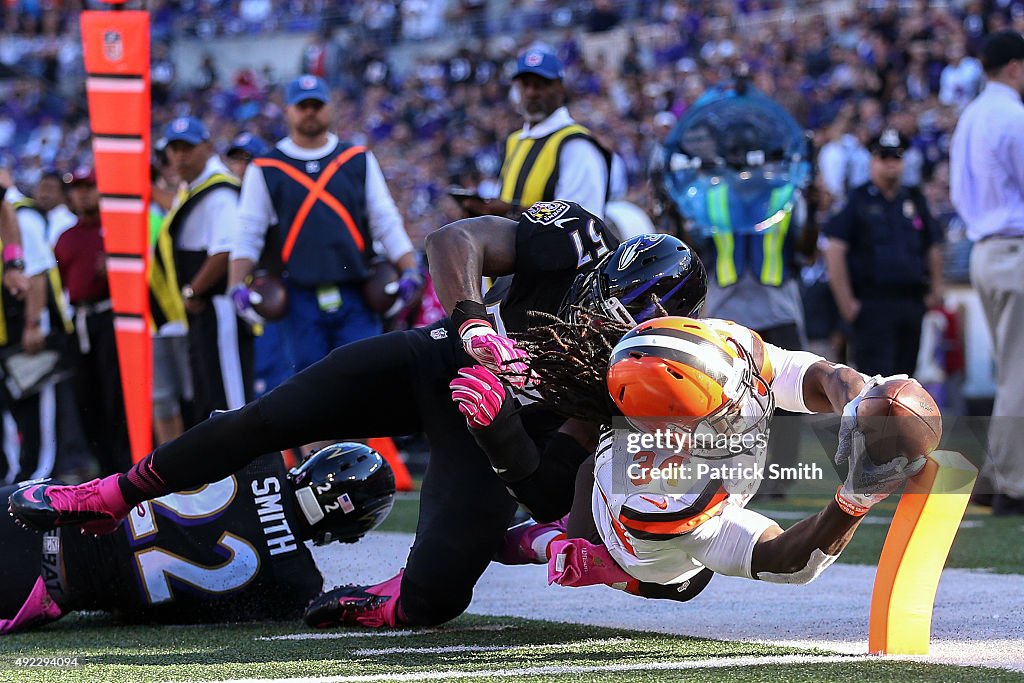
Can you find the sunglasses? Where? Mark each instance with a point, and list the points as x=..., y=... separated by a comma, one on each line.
x=889, y=154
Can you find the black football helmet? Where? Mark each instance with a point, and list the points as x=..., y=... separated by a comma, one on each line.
x=645, y=269
x=344, y=491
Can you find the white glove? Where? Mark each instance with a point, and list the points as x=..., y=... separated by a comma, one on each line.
x=868, y=483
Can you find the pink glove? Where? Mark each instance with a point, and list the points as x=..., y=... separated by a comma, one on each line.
x=576, y=562
x=38, y=609
x=496, y=353
x=479, y=395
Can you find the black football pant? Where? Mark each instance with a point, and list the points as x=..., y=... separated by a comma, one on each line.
x=390, y=385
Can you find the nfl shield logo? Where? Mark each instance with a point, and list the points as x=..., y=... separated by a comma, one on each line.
x=312, y=167
x=534, y=59
x=113, y=46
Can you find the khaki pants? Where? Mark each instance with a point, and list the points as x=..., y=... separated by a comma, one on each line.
x=997, y=272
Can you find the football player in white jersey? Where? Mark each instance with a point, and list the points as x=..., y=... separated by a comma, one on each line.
x=707, y=389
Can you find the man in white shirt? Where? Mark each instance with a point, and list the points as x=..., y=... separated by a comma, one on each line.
x=31, y=450
x=332, y=205
x=201, y=222
x=987, y=189
x=551, y=156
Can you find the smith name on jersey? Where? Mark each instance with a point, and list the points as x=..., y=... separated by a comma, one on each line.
x=228, y=551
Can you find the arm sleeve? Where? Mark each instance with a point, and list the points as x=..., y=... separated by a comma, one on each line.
x=222, y=205
x=789, y=368
x=548, y=492
x=582, y=176
x=38, y=255
x=255, y=214
x=385, y=221
x=543, y=483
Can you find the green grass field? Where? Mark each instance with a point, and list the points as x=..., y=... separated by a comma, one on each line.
x=493, y=648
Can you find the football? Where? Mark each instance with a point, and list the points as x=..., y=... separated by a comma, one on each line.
x=269, y=296
x=898, y=418
x=381, y=285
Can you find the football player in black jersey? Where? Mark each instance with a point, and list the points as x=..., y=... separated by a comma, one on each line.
x=392, y=385
x=231, y=551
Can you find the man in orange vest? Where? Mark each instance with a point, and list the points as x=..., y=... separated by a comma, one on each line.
x=333, y=205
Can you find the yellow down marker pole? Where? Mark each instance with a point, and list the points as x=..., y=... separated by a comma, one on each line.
x=915, y=551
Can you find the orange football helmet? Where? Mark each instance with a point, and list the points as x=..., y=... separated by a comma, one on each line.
x=682, y=374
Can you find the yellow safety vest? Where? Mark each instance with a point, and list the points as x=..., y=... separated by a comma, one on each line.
x=772, y=240
x=530, y=170
x=165, y=302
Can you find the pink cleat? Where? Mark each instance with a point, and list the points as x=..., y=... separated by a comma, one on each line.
x=370, y=606
x=96, y=506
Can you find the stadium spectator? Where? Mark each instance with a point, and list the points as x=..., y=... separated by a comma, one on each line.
x=83, y=269
x=25, y=321
x=332, y=203
x=577, y=168
x=201, y=224
x=50, y=198
x=72, y=448
x=987, y=188
x=884, y=260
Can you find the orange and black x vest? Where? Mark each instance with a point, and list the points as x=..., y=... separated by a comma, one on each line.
x=321, y=208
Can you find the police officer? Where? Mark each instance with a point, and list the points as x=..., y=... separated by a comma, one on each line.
x=884, y=260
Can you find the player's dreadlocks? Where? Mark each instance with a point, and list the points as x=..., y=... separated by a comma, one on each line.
x=571, y=359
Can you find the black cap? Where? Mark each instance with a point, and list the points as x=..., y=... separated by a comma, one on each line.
x=1001, y=48
x=890, y=142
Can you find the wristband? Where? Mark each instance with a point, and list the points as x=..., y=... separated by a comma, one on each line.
x=13, y=252
x=467, y=311
x=848, y=506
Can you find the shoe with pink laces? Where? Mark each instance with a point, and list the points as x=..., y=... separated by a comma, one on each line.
x=96, y=506
x=351, y=605
x=527, y=543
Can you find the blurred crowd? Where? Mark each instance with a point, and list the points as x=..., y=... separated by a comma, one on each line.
x=845, y=72
x=844, y=76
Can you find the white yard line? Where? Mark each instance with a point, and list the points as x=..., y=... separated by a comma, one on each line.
x=717, y=663
x=366, y=652
x=976, y=620
x=384, y=633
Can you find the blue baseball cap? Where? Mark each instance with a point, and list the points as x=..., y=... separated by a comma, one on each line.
x=251, y=144
x=544, y=64
x=187, y=129
x=307, y=87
